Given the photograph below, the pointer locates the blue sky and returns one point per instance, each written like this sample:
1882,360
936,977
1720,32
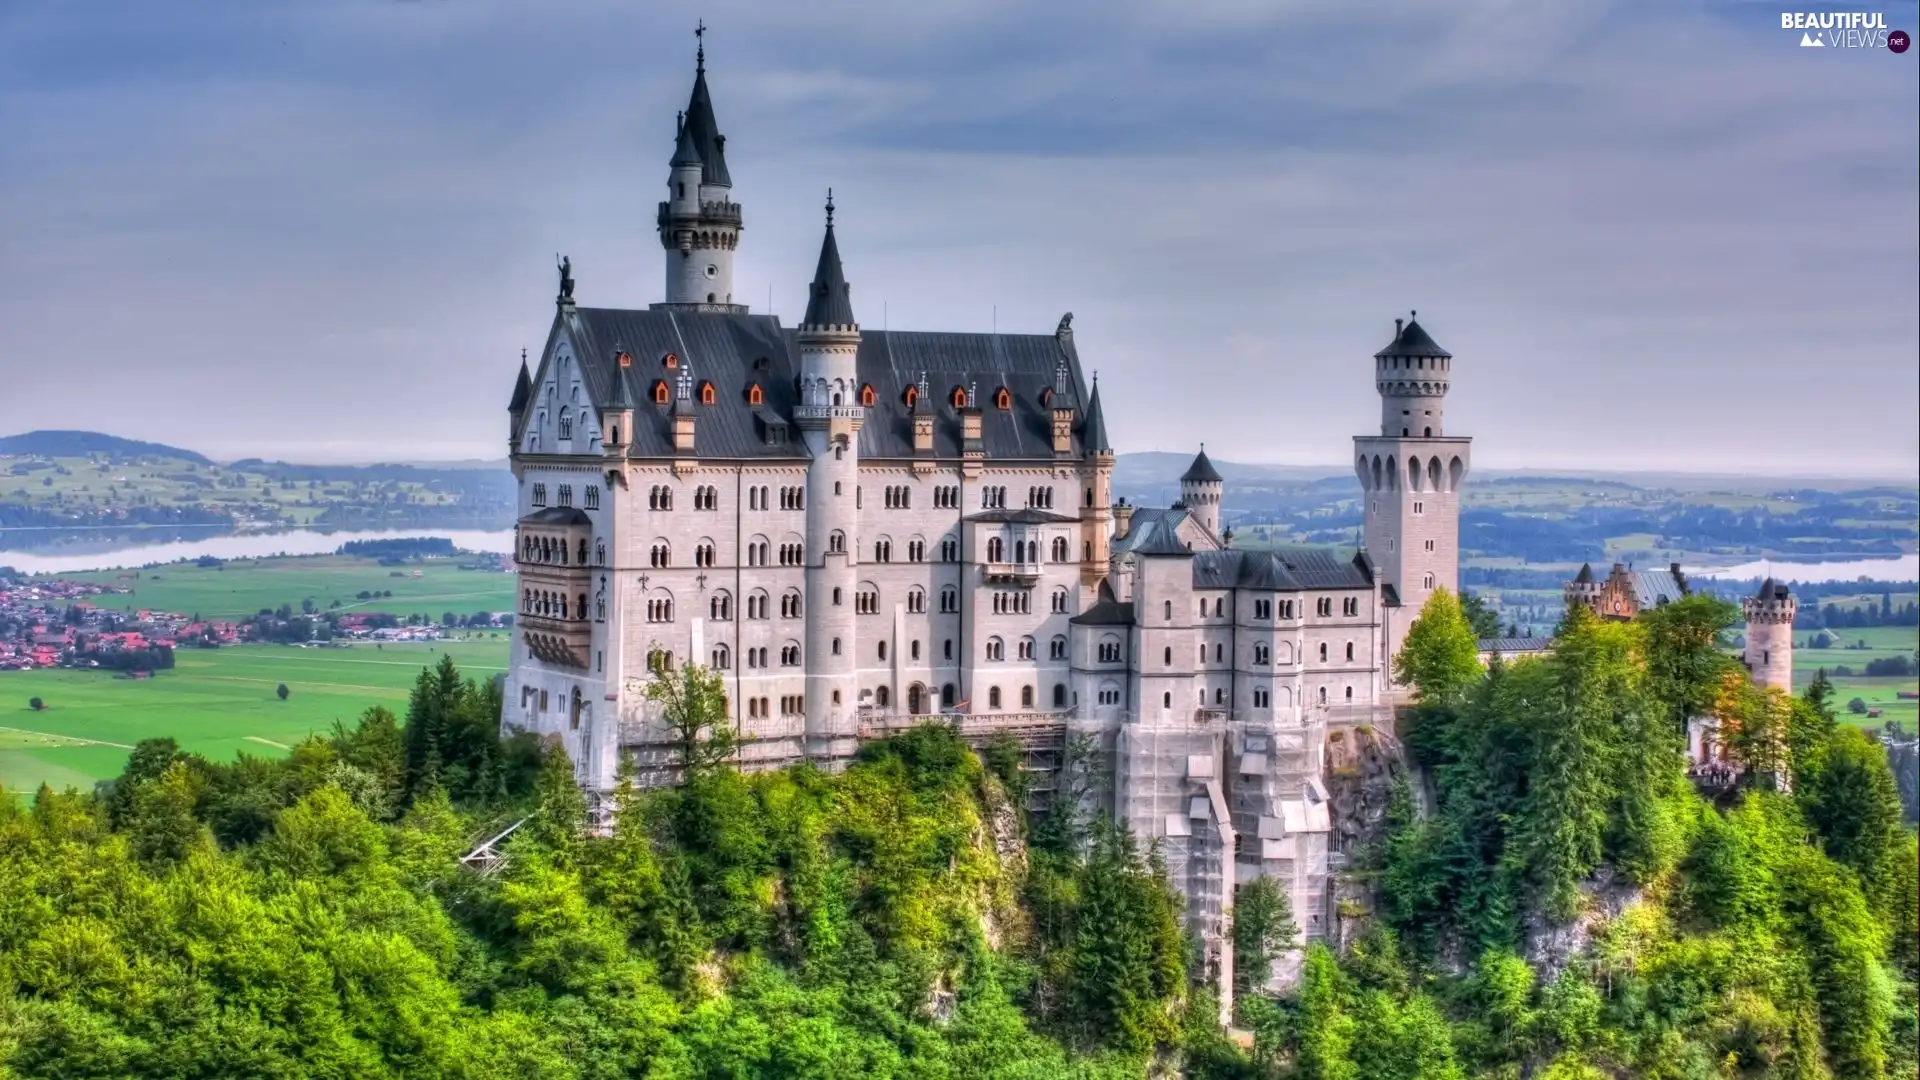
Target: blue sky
1655,236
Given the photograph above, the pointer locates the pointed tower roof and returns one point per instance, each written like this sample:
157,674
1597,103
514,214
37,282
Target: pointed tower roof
1094,435
1202,470
1585,576
700,124
522,387
685,150
1410,340
829,299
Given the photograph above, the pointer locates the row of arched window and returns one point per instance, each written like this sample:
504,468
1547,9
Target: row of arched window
552,605
552,551
1027,697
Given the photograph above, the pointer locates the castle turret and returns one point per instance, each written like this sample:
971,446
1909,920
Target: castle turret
1200,491
517,405
1410,476
1098,515
1769,651
830,417
699,222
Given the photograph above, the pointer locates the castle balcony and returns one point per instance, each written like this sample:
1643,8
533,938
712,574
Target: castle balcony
716,212
563,642
1013,573
1032,730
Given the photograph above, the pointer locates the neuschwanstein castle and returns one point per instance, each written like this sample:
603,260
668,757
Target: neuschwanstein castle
863,529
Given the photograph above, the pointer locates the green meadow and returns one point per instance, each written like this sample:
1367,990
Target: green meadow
243,587
216,702
1879,692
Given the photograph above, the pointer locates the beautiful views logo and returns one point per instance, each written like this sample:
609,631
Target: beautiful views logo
1844,30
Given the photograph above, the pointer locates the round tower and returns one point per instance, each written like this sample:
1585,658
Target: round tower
1200,489
1769,652
830,417
1412,375
699,222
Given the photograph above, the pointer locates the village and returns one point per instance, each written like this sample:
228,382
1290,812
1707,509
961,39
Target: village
57,623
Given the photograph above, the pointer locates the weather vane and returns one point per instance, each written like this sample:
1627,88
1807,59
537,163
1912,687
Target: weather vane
829,208
700,50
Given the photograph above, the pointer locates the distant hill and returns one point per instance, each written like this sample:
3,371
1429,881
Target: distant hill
82,443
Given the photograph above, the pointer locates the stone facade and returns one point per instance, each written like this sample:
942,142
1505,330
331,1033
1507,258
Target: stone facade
860,530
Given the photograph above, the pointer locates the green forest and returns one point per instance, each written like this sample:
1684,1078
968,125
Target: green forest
905,917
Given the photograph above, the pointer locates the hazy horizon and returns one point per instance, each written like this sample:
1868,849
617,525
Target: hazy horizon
1656,237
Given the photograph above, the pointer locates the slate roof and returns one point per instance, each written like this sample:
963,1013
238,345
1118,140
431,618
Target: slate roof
1107,612
1148,522
1585,576
1201,471
1412,341
1288,568
685,150
735,351
1770,590
558,515
1656,587
1164,542
1022,517
1515,644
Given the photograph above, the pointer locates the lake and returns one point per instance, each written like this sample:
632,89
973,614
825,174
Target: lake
1899,568
243,546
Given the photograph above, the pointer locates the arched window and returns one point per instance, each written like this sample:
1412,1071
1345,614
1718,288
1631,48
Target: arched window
660,392
996,649
867,396
1057,648
912,395
882,696
707,395
1060,599
566,422
755,396
1349,650
958,397
1261,654
722,658
917,600
1059,695
1109,650
993,697
1169,611
1323,652
1003,399
1026,697
837,541
1169,656
1323,695
720,606
949,600
1026,648
1062,551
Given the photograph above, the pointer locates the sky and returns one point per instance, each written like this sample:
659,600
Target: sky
1655,236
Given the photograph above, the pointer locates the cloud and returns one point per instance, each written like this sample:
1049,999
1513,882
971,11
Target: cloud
1654,235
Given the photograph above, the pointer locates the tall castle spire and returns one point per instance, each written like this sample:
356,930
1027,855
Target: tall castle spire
830,298
699,222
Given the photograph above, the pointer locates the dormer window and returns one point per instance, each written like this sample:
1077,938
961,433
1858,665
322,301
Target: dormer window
958,397
660,393
706,393
755,395
670,361
912,395
1046,398
625,358
867,396
1003,399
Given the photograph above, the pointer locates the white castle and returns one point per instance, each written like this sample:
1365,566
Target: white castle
864,530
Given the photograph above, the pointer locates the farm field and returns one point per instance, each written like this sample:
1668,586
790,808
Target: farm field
216,702
1878,692
242,587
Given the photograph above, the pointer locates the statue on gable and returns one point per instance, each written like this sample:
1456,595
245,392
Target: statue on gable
566,278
